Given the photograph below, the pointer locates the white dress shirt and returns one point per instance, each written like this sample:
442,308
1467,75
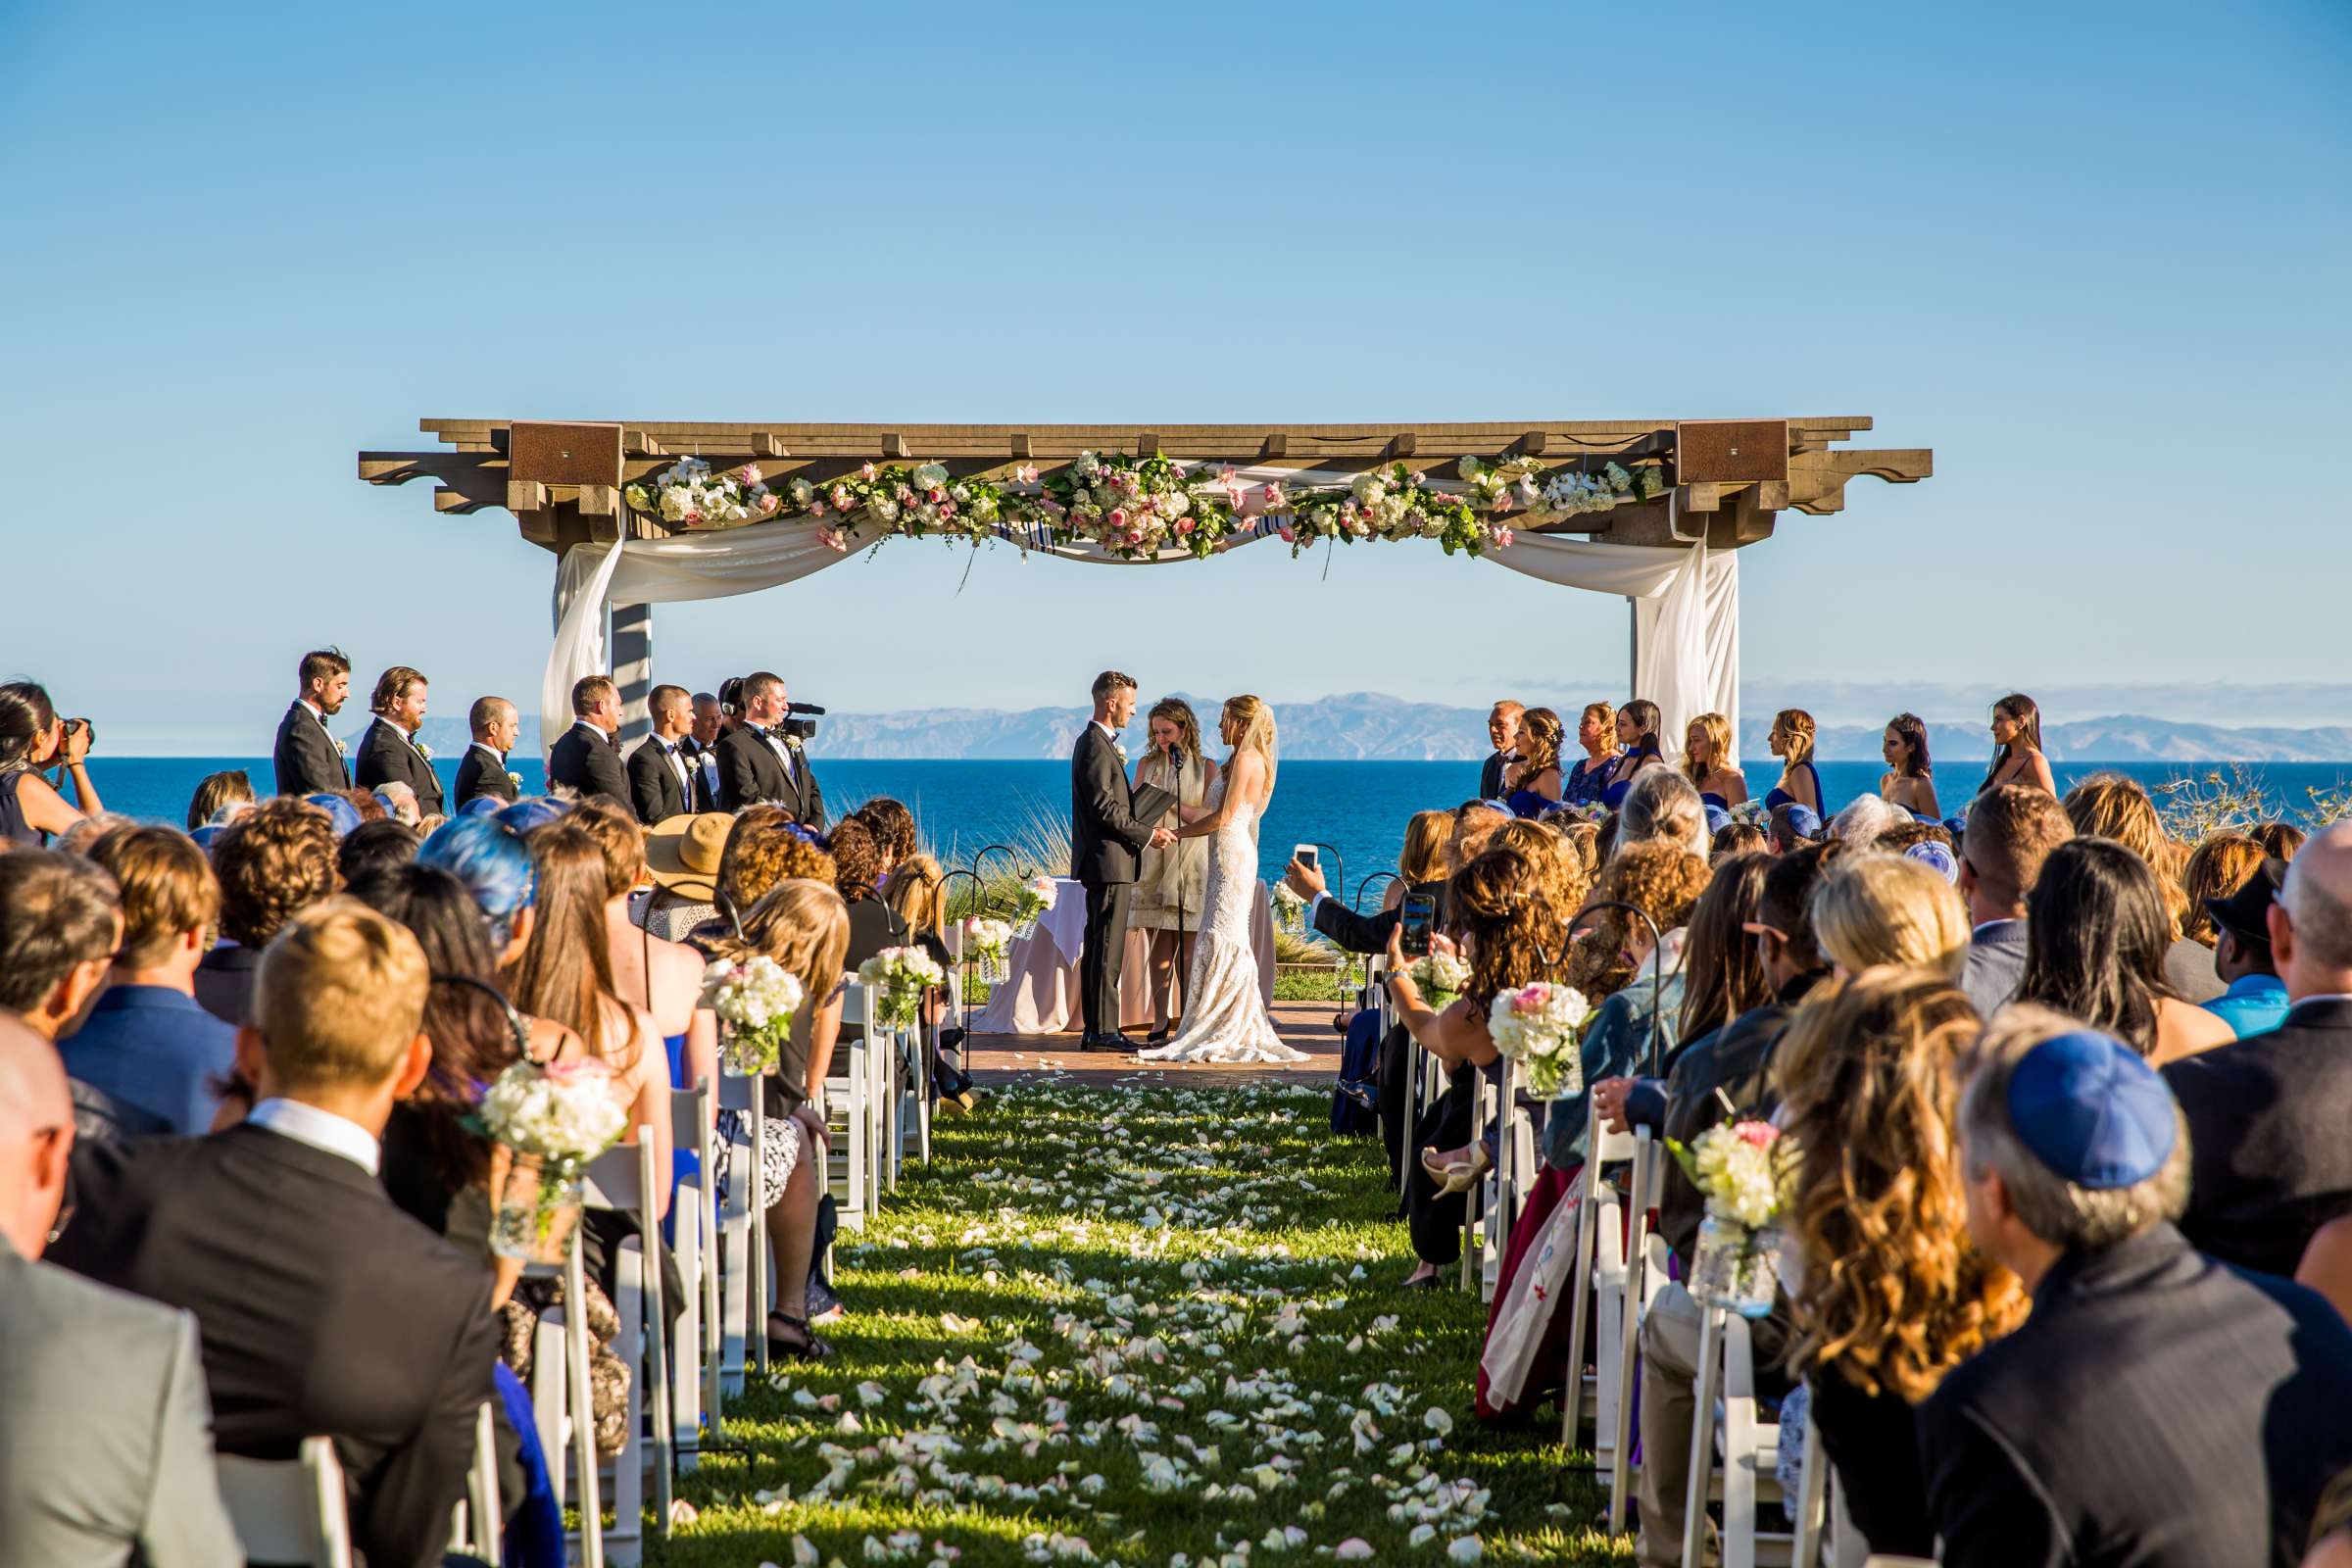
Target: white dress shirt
321,1129
783,751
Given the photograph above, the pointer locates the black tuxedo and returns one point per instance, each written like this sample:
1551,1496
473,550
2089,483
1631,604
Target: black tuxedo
655,788
703,761
2157,1408
1105,843
305,757
322,1311
1489,775
585,761
388,757
750,773
2268,1132
482,771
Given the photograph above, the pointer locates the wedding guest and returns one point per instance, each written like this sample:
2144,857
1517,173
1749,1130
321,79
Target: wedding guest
1637,736
390,752
892,824
146,1044
700,748
666,977
2156,1407
586,758
1502,729
494,724
274,861
1881,909
681,859
2095,935
1662,805
1791,827
2270,1112
1467,831
351,808
764,847
1792,741
31,738
494,866
1532,781
1708,764
758,764
1597,733
2111,806
856,876
803,926
307,757
1859,822
2332,1527
2255,1002
216,792
323,1310
399,802
1888,1293
2016,735
374,844
661,775
2214,869
564,974
61,925
1509,917
1722,1077
1734,839
2279,840
1909,781
2011,831
1171,883
104,1469
917,893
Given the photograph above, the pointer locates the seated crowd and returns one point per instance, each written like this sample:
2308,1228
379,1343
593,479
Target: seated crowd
2068,1240
2068,1225
240,1067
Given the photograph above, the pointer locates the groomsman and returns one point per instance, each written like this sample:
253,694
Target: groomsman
661,782
700,748
586,757
305,757
1502,728
390,752
494,724
756,764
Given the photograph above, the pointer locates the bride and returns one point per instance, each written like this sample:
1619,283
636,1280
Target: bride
1224,1014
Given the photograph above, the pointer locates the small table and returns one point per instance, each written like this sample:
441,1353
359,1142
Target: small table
1041,994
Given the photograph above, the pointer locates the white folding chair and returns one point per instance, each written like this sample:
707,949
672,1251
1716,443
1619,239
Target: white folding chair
291,1511
477,1520
694,1222
1728,1427
740,1260
1481,1102
1823,1530
849,1099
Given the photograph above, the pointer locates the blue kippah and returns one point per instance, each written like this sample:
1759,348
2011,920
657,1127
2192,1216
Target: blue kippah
1955,826
2092,1110
345,815
482,805
1717,819
535,812
1804,821
1935,858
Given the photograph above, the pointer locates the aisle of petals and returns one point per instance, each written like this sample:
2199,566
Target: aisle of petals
1135,1325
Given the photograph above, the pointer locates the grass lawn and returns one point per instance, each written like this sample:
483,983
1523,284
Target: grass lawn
1152,1326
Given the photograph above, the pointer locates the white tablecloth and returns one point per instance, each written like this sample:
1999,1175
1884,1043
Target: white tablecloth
1041,995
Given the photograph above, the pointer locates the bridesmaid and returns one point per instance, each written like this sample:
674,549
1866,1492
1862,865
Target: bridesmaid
2017,731
1638,733
1597,733
1792,741
1534,781
1909,782
1170,884
1707,761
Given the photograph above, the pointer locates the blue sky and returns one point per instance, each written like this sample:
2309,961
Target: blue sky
2095,255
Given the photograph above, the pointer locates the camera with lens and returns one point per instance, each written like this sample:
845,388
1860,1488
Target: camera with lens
803,729
83,727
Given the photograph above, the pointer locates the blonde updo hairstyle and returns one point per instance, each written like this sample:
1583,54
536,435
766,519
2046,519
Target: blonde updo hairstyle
1247,725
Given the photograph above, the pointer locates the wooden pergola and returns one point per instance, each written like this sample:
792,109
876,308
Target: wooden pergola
1727,480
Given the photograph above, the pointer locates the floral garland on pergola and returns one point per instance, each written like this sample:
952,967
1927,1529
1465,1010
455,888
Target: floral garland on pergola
1136,508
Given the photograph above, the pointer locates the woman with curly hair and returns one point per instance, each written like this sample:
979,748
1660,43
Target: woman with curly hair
1508,912
1889,1294
1533,782
1597,733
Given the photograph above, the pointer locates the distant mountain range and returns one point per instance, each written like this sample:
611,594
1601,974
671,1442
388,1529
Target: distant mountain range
1367,726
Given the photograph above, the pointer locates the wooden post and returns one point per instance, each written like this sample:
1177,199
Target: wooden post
632,646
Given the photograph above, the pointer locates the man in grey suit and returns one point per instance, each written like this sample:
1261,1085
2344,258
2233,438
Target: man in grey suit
106,1447
2010,832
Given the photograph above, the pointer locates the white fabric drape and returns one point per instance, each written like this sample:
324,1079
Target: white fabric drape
1686,618
1686,602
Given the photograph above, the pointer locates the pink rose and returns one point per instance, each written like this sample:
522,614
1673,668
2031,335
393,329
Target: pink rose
1502,537
938,495
767,503
1117,519
841,498
692,517
1532,998
868,472
1184,525
1273,495
816,509
1756,1133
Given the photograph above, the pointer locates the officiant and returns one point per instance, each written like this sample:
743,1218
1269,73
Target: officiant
1169,883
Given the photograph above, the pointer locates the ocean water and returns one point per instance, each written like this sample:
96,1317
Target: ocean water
1357,809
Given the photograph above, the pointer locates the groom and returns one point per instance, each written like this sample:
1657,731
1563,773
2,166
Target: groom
1105,839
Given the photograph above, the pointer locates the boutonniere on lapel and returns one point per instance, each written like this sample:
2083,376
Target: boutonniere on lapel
422,750
342,746
1120,748
513,778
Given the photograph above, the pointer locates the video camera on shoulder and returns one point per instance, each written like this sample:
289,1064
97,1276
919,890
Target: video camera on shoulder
798,728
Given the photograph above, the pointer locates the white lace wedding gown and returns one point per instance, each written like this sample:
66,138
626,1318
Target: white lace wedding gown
1224,1015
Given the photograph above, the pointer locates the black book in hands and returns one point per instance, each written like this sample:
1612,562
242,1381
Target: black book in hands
1150,804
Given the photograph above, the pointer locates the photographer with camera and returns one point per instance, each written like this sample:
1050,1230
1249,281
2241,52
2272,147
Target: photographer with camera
34,740
761,760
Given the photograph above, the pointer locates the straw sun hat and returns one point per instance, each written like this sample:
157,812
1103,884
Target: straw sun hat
681,853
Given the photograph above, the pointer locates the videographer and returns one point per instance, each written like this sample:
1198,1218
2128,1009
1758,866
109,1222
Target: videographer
32,738
761,760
